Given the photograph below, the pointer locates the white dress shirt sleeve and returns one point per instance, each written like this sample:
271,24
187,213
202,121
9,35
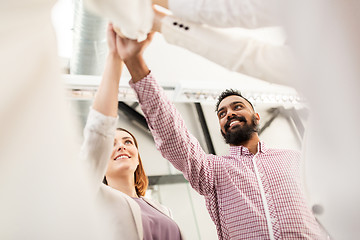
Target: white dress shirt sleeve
226,13
134,18
236,51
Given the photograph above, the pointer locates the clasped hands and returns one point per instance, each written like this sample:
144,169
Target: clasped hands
126,49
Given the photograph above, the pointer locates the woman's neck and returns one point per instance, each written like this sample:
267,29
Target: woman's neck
124,184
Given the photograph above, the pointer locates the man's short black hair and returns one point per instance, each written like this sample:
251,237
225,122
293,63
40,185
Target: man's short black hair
230,92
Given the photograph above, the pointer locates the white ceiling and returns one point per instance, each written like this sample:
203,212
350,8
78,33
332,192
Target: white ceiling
174,66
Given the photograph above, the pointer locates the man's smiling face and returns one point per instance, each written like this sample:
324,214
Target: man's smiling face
237,119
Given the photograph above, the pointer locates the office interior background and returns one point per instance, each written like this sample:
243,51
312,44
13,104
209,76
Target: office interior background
193,83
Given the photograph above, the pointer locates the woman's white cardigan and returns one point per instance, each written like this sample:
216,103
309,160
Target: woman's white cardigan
120,213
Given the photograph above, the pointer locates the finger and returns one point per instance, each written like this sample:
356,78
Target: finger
118,32
150,36
159,11
162,3
110,30
110,26
119,40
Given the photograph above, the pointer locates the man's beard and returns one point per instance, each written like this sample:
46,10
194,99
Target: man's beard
239,134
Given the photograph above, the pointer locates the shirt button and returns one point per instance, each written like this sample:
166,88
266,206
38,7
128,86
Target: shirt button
175,23
181,25
186,28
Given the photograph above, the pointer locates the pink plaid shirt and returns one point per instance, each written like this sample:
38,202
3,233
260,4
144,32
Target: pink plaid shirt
248,196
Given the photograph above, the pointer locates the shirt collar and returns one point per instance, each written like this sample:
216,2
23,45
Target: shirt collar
241,150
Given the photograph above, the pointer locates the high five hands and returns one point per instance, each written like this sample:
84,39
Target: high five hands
127,49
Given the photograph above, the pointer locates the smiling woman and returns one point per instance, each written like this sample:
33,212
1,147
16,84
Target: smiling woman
126,147
112,156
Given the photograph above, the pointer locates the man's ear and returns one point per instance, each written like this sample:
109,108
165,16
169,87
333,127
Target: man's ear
257,116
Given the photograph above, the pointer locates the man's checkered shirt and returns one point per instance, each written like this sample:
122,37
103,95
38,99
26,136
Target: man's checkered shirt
232,184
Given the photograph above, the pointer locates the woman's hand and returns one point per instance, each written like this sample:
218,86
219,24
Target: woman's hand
111,39
131,51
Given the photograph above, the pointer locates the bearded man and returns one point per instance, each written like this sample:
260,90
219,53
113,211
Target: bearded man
254,192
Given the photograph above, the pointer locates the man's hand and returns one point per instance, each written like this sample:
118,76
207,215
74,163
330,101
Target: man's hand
130,50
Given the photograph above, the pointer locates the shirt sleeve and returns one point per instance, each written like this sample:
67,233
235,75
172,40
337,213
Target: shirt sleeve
237,52
172,138
227,13
134,18
99,134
